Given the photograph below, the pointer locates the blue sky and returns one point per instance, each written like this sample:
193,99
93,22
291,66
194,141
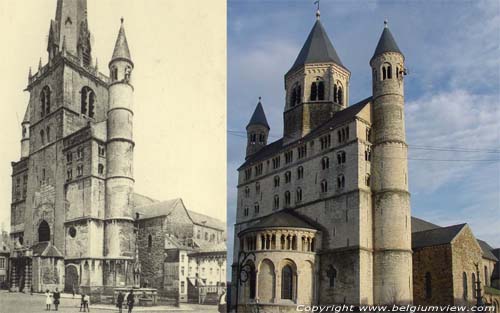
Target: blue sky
452,91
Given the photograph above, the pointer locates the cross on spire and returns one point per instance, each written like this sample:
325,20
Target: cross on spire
318,14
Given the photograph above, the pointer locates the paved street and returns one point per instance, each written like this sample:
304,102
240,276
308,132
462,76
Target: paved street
24,303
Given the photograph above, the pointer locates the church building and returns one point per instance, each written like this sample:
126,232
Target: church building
323,213
75,219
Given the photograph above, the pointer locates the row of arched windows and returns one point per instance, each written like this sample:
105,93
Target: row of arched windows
318,90
296,95
386,72
252,138
288,198
45,136
288,282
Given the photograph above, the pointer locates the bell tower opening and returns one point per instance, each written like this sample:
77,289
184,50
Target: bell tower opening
43,231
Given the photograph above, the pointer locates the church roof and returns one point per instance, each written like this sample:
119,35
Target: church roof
418,225
150,208
258,116
317,49
285,218
337,119
436,236
121,50
46,249
386,43
427,236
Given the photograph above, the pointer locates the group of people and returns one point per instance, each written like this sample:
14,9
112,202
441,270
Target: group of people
129,297
55,298
52,298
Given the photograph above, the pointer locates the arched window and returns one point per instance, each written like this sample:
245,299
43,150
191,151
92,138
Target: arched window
299,195
114,73
321,90
332,276
43,231
464,285
341,157
276,202
314,91
324,186
293,96
42,137
473,278
428,285
340,95
325,163
262,138
287,282
298,94
486,276
300,172
100,169
276,181
287,198
45,101
368,180
87,101
340,181
150,241
288,177
386,71
335,94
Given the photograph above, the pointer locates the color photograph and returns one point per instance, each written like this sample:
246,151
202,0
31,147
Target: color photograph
363,154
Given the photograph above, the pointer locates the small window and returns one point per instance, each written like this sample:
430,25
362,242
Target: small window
288,177
247,192
42,137
368,180
324,186
341,157
258,169
325,163
332,276
287,198
465,286
69,157
79,170
276,162
340,182
102,151
248,173
245,212
257,188
288,157
100,169
72,232
302,151
256,208
276,181
150,241
45,96
325,141
300,172
48,134
321,90
69,174
276,202
314,91
298,195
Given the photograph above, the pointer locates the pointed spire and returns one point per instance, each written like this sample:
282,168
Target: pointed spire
317,49
258,116
386,42
71,22
40,64
121,51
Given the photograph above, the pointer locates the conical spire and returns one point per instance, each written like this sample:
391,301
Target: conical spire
71,23
258,116
317,49
386,42
121,47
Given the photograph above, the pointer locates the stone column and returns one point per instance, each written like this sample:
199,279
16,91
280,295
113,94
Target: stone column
277,286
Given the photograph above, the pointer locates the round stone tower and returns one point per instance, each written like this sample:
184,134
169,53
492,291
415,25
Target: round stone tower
392,256
257,131
119,228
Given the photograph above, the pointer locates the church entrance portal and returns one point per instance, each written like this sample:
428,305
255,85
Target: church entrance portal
71,281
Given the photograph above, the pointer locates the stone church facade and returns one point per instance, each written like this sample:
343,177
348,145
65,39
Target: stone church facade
323,213
74,213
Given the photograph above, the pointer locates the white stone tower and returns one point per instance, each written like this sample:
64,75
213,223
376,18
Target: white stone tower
119,228
257,131
392,256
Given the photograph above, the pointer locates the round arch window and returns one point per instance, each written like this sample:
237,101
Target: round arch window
72,232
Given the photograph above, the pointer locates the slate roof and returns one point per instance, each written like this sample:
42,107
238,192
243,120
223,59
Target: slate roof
418,225
149,208
338,118
487,250
259,117
426,234
285,218
436,236
317,49
205,220
386,43
121,50
46,249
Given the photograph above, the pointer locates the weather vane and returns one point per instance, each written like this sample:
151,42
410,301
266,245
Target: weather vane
317,11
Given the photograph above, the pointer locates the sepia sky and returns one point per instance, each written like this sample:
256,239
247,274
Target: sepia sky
452,51
179,51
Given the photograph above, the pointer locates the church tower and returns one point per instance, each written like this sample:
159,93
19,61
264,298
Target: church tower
316,86
119,233
257,131
392,258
